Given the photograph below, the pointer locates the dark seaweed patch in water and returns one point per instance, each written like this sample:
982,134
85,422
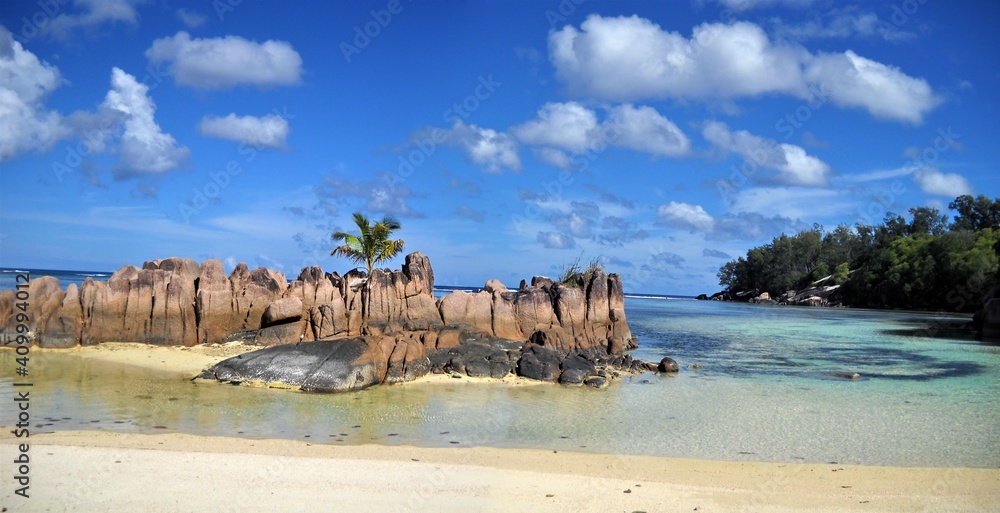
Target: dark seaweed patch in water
938,370
946,332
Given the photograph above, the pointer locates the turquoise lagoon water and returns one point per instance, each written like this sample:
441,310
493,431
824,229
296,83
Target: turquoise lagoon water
763,392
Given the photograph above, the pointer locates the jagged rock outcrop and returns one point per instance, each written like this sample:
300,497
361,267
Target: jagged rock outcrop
389,324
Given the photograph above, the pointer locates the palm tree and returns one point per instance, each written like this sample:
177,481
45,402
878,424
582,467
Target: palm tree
373,245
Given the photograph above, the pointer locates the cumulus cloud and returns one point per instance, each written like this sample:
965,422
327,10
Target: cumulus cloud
553,157
190,18
25,124
854,81
793,165
494,150
630,58
627,58
555,240
226,62
144,147
685,215
92,13
571,127
269,131
644,129
933,181
573,224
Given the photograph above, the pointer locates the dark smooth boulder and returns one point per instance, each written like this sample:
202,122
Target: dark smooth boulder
539,363
324,366
482,358
668,365
576,369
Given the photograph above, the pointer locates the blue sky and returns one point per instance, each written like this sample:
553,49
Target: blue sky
509,138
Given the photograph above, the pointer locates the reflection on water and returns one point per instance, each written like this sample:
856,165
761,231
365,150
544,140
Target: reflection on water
764,392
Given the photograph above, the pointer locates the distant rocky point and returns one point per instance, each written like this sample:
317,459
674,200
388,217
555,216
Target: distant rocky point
328,332
985,322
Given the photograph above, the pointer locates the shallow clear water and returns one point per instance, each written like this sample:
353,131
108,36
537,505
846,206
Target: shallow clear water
764,393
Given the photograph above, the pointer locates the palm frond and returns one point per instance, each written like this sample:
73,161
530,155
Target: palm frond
372,246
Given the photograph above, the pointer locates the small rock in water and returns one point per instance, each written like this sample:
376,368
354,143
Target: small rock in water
628,490
668,364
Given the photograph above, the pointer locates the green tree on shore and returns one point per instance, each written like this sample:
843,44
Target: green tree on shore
373,245
924,263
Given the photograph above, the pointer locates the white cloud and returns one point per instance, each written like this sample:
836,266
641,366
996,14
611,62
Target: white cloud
190,18
685,215
25,124
569,126
93,13
562,127
556,240
268,131
225,62
885,91
144,148
933,181
644,129
485,146
795,202
629,58
553,157
793,164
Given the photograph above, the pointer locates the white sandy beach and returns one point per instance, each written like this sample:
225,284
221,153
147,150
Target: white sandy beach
102,471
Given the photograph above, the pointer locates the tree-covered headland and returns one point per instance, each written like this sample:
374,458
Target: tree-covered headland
919,262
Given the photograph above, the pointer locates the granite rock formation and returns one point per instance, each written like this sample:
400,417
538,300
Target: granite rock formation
387,327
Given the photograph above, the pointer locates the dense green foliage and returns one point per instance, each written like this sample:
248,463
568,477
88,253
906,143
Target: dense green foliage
923,263
372,246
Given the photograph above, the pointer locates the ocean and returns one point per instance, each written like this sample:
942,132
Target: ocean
757,383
